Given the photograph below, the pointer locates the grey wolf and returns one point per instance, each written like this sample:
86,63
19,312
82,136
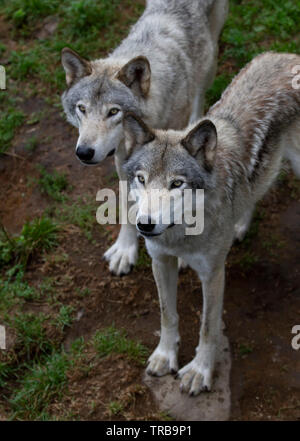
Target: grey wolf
234,154
160,72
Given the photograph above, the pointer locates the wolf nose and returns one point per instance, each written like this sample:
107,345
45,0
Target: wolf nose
145,225
85,153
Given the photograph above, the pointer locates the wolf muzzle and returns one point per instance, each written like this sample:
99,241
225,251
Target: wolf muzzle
85,153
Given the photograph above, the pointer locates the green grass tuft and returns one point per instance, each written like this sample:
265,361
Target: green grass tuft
115,407
85,16
26,12
144,260
82,213
16,291
253,27
36,236
245,350
39,387
11,119
64,318
111,340
32,340
53,184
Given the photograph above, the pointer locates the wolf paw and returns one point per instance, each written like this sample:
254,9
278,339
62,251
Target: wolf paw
121,257
162,362
195,378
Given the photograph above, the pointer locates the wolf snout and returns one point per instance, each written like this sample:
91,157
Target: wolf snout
145,225
85,153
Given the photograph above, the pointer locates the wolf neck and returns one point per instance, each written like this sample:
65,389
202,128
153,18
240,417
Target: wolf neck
229,167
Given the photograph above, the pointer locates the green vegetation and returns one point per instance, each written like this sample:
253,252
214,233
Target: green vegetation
144,260
78,16
16,291
31,339
13,292
115,407
112,340
86,25
39,387
80,213
38,235
64,318
53,184
31,144
245,349
251,28
26,12
6,372
83,292
42,378
10,120
247,260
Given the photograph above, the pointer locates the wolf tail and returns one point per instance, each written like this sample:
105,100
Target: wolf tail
218,11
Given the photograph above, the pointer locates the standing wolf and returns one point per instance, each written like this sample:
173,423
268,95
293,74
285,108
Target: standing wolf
160,72
234,154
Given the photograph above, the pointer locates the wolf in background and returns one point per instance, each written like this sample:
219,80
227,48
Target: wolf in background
234,154
160,72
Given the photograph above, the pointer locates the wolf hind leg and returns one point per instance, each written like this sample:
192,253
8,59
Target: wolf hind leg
216,19
241,227
198,106
205,83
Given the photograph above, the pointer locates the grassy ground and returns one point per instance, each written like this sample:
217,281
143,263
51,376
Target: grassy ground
255,27
38,370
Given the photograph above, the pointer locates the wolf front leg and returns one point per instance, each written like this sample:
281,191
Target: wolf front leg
197,375
122,255
164,358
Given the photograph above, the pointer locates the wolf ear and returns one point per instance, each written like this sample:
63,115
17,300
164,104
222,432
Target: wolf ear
136,132
75,66
201,142
136,75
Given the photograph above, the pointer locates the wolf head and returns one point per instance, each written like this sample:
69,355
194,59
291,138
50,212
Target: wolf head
97,96
168,162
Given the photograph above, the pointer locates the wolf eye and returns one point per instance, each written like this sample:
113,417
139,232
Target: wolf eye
82,108
113,112
141,179
176,184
